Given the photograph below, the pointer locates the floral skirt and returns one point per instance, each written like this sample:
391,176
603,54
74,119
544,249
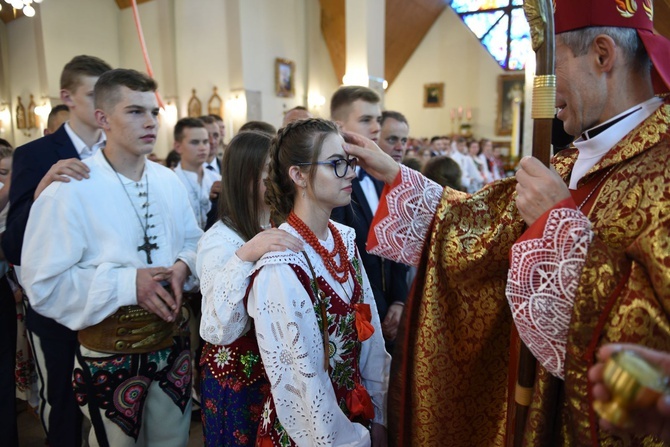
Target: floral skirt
231,410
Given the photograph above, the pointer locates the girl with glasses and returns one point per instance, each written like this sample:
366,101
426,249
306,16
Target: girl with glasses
315,316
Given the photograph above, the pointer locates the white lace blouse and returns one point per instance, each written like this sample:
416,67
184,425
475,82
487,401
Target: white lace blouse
223,283
291,347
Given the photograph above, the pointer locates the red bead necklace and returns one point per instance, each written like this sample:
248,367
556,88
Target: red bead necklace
339,272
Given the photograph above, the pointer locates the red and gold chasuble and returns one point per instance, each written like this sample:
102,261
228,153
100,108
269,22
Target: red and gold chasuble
344,349
452,376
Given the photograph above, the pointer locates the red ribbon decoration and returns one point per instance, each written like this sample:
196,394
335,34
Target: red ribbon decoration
359,403
363,319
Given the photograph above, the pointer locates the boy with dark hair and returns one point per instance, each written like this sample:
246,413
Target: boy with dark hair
212,163
191,141
57,117
55,157
125,247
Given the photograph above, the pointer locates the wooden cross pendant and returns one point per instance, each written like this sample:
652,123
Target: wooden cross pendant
147,247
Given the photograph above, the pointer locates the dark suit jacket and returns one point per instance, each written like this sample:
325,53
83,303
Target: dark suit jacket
30,164
387,278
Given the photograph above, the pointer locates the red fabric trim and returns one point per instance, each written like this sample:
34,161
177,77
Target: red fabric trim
536,230
381,213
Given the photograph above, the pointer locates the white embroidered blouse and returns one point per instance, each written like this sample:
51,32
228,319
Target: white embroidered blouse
223,284
291,347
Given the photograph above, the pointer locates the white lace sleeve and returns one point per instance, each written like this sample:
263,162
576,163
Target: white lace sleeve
542,282
292,353
375,362
223,283
411,206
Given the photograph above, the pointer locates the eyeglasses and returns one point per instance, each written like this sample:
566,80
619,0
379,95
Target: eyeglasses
340,166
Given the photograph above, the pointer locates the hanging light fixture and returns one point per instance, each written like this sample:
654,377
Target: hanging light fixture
26,6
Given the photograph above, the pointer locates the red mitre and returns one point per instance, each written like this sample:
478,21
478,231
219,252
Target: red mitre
639,14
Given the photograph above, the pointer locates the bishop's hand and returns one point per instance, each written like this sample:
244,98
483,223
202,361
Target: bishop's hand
375,161
538,189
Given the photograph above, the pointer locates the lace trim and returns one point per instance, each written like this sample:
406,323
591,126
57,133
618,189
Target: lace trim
224,281
411,207
542,283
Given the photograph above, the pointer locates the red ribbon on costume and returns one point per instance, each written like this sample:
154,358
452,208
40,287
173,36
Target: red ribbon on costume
359,403
363,319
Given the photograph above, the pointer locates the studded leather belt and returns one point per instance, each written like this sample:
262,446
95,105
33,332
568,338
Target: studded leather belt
130,330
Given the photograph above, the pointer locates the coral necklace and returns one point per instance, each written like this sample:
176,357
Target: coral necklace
339,272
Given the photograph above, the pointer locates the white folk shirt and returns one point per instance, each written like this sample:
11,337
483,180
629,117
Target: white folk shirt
224,279
80,256
198,192
285,322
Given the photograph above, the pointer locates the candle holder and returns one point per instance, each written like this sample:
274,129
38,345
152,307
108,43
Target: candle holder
633,384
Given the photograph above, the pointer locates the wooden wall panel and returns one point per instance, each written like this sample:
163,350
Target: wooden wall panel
407,23
334,33
662,17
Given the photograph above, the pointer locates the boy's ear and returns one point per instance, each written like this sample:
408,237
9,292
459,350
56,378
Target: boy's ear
66,97
101,119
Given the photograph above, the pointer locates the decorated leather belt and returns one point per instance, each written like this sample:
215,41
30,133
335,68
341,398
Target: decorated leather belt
130,330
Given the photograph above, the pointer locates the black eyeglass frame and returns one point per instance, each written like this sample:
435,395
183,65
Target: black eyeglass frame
349,163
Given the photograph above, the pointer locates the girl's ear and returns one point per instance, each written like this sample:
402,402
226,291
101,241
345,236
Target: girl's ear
298,176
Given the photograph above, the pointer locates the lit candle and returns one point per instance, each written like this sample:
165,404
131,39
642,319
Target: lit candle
460,112
468,114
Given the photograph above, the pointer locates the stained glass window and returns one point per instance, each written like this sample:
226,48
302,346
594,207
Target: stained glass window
501,26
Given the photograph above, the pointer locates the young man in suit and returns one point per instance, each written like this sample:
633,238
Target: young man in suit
55,157
356,109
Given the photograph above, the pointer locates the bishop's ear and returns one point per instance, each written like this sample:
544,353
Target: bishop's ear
605,51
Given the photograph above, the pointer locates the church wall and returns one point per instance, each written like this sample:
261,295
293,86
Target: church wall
449,53
233,45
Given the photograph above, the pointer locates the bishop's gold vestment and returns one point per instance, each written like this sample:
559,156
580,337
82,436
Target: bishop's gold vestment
451,372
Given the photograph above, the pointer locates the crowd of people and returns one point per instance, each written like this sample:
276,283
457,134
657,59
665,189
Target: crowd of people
267,289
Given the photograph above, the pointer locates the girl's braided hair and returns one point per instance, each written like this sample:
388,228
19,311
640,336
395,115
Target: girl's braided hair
299,142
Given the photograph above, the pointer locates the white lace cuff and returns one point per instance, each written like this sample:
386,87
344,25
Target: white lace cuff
542,282
411,207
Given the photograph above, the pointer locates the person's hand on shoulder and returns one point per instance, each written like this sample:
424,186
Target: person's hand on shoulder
62,171
272,239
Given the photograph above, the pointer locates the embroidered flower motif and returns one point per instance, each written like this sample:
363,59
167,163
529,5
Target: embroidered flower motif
335,348
266,415
222,357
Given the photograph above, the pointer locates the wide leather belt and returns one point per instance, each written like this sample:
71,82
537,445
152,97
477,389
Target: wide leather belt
130,330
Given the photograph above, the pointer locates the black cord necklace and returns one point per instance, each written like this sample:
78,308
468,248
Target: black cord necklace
147,246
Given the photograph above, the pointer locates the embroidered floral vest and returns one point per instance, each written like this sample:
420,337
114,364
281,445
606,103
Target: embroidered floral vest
343,350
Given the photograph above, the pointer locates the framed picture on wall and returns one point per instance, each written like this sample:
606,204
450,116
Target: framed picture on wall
433,94
284,78
510,86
